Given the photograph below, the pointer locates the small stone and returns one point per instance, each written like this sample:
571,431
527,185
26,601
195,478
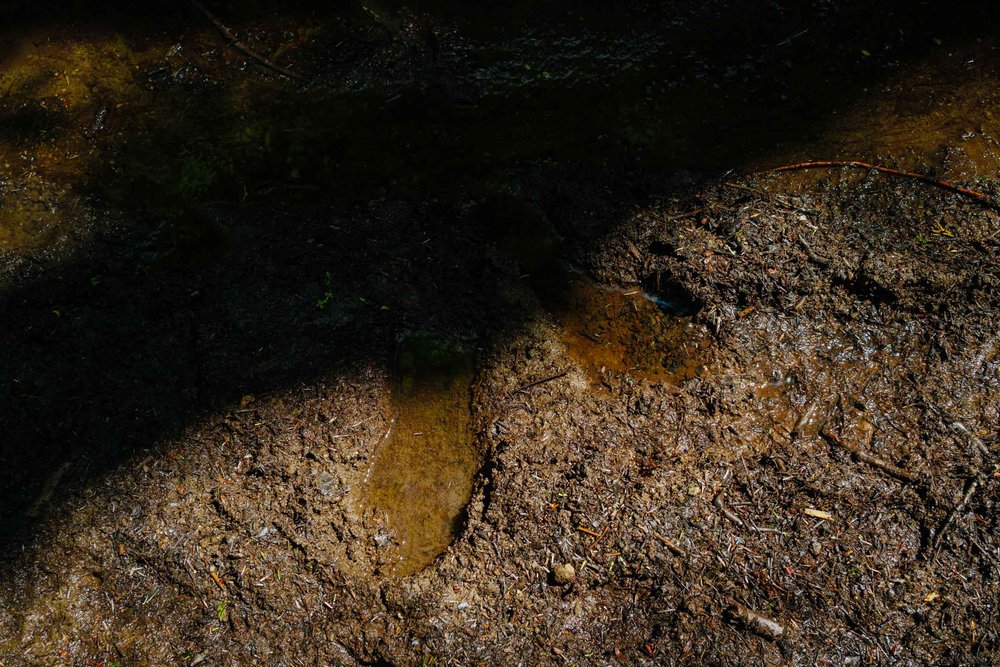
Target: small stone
816,548
564,574
325,483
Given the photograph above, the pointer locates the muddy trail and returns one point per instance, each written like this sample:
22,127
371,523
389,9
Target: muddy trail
418,334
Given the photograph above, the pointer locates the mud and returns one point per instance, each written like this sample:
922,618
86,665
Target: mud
422,474
350,373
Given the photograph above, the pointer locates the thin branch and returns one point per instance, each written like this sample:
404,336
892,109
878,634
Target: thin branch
874,461
538,382
970,490
235,43
982,198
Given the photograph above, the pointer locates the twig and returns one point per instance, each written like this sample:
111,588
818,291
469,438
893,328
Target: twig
538,382
874,461
788,40
979,444
235,43
219,581
670,544
599,538
971,486
685,214
982,198
770,197
717,501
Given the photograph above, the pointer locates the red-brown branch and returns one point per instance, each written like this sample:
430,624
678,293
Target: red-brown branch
982,198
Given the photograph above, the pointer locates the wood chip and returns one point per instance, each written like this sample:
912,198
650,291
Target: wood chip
756,622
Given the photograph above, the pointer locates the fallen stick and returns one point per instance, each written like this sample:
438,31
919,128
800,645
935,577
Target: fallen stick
599,538
669,544
874,461
979,444
982,198
971,486
538,382
235,43
685,214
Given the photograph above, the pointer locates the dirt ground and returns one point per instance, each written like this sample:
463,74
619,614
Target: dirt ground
699,414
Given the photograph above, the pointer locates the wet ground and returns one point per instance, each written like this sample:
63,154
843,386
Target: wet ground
407,334
421,475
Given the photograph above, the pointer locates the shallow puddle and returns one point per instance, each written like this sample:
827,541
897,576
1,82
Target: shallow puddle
422,475
631,331
648,333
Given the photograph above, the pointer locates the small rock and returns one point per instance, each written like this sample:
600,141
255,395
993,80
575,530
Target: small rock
564,574
816,548
325,483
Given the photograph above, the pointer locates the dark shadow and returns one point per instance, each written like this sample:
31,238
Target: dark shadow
249,243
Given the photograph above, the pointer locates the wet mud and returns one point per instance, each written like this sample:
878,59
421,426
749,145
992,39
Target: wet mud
422,474
492,342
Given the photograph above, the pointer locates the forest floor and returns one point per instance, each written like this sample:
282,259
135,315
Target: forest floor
496,342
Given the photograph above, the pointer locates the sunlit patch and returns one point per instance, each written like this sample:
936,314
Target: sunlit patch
422,475
34,212
630,331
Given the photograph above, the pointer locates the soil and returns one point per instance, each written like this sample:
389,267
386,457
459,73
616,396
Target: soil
494,344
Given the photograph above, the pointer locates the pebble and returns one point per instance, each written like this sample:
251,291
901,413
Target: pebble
564,574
